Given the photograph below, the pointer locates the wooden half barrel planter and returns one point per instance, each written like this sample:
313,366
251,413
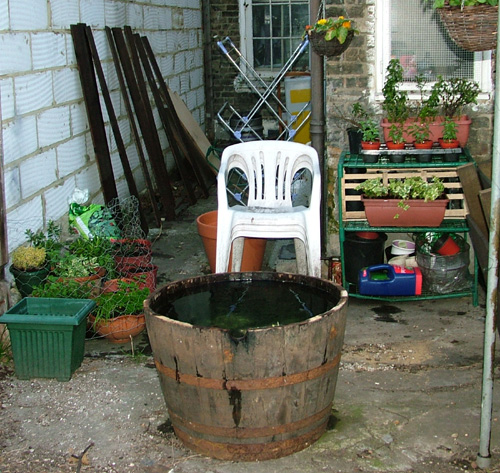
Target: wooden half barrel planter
264,395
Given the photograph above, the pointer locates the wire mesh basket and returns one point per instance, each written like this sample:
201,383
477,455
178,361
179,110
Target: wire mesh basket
328,48
472,28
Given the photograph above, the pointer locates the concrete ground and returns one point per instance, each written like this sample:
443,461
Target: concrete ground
408,395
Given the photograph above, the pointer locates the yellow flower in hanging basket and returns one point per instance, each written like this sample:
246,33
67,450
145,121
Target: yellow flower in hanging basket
332,28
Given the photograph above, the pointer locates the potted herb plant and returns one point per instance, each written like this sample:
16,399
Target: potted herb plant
446,98
50,240
371,134
449,139
421,133
409,202
119,314
29,268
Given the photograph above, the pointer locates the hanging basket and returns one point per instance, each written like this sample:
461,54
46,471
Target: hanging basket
472,28
329,48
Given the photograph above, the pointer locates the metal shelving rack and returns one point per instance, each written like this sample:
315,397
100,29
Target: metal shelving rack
355,163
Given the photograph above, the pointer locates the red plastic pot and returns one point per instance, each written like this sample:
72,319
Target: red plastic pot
445,245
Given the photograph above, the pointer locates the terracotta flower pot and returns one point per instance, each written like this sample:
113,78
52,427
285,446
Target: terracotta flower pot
132,252
449,144
145,275
253,249
119,329
427,144
387,212
391,145
370,145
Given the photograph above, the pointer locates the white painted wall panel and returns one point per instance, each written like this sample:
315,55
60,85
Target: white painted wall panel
64,13
26,15
33,92
71,156
49,50
19,138
53,126
12,185
67,86
57,199
15,51
92,13
28,215
37,172
7,98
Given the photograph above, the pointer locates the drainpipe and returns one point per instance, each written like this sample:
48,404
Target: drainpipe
484,456
317,126
207,70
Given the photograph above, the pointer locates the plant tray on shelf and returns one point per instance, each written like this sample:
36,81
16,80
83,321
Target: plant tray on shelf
47,336
353,208
416,212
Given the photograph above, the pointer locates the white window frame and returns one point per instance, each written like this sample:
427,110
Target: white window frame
482,60
246,34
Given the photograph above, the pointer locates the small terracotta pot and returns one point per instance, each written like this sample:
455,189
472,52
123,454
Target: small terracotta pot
392,145
119,329
449,144
370,145
427,144
144,275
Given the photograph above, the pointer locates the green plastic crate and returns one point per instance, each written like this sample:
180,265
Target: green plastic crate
47,336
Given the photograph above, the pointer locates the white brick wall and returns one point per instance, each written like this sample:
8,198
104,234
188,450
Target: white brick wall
46,140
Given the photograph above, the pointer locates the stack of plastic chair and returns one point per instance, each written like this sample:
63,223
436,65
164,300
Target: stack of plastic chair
270,167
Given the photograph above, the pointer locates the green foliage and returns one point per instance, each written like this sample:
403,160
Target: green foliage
420,131
127,300
462,3
71,266
396,133
58,288
96,249
333,28
370,130
455,93
50,240
395,102
29,258
404,189
449,129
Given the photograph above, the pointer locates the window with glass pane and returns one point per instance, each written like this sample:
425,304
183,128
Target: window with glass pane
421,43
277,28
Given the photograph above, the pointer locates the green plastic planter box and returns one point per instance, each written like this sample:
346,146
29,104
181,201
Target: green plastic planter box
47,336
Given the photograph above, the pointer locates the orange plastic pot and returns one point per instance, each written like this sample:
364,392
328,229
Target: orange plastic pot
253,249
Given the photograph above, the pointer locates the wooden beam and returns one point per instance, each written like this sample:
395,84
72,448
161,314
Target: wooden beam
94,112
135,132
147,125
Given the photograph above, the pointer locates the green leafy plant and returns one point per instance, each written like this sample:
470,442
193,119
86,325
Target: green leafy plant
56,288
29,258
395,102
449,129
72,266
49,239
462,3
420,131
396,133
455,94
409,188
97,250
333,28
370,130
127,300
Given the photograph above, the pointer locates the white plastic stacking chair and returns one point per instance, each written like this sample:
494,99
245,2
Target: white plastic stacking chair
269,167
